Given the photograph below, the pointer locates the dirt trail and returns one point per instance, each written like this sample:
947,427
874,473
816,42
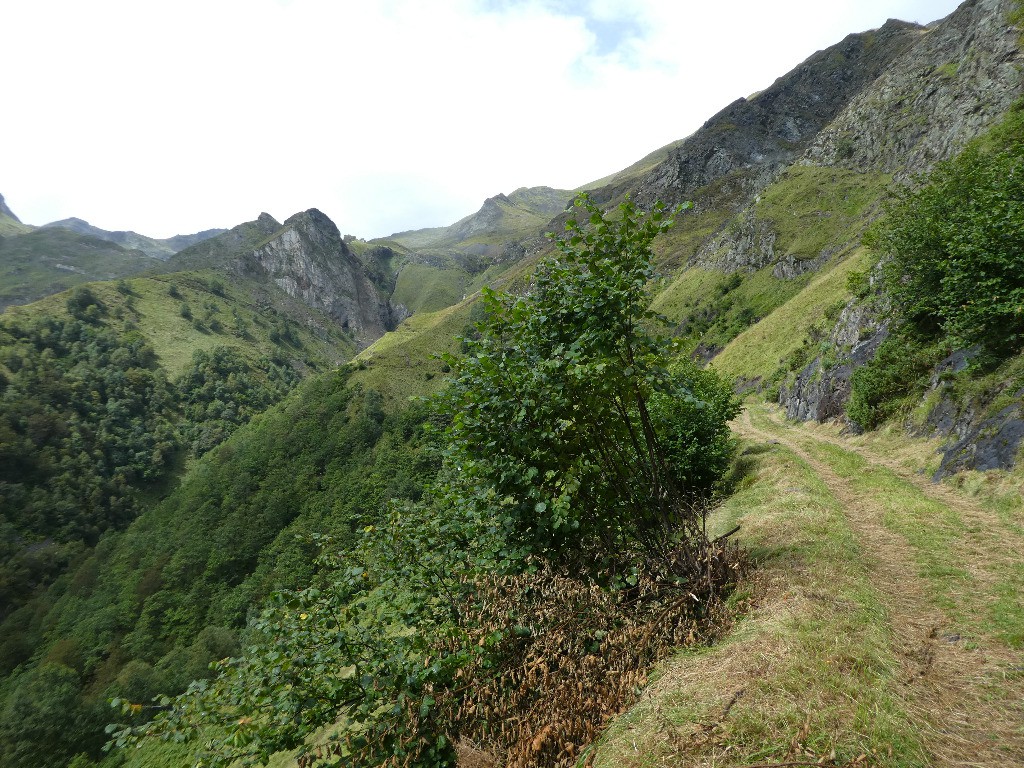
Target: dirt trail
966,696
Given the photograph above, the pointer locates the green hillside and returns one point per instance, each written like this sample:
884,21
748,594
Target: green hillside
45,261
529,525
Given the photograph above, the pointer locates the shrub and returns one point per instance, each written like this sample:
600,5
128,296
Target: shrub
553,425
955,245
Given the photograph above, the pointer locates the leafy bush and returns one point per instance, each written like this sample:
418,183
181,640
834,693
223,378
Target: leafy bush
569,433
898,373
955,245
554,410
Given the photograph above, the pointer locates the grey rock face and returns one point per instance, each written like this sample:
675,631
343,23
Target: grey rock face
990,444
820,393
310,261
748,245
958,77
767,132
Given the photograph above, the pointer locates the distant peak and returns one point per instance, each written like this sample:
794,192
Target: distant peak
315,218
267,220
5,211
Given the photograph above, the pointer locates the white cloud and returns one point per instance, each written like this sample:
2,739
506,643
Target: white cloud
386,115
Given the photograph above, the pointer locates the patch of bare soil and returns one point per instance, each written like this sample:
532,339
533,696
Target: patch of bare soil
967,696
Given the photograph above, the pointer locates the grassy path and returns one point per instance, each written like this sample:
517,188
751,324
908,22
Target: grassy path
937,559
883,624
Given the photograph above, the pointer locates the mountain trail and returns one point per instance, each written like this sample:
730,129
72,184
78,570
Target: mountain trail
963,686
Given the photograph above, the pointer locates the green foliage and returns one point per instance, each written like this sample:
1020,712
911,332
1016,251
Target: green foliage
223,390
392,640
45,721
360,647
955,245
552,429
153,606
84,424
82,304
896,375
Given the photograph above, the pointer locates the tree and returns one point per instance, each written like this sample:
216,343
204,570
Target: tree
553,427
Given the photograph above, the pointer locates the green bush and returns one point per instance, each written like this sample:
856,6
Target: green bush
955,245
555,427
897,375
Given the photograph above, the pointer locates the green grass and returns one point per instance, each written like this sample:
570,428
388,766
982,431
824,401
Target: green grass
811,661
425,288
968,558
404,363
812,209
761,349
717,307
9,226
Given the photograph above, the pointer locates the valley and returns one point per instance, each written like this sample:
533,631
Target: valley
736,483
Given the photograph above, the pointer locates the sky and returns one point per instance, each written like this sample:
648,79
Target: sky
174,117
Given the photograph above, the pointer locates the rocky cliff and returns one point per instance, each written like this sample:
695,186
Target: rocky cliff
958,76
761,135
309,260
961,74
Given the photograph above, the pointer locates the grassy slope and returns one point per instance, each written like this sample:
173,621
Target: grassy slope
403,363
158,317
880,610
761,349
425,288
44,261
814,209
9,226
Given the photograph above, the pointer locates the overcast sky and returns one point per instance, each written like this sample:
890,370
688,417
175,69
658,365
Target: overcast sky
172,117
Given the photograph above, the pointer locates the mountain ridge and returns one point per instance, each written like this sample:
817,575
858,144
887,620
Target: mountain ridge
158,248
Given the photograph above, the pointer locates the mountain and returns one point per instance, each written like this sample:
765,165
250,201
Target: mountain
9,223
767,279
524,212
40,262
307,259
161,249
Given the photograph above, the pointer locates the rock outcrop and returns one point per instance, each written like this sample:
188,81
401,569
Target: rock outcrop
761,135
308,259
960,75
820,391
